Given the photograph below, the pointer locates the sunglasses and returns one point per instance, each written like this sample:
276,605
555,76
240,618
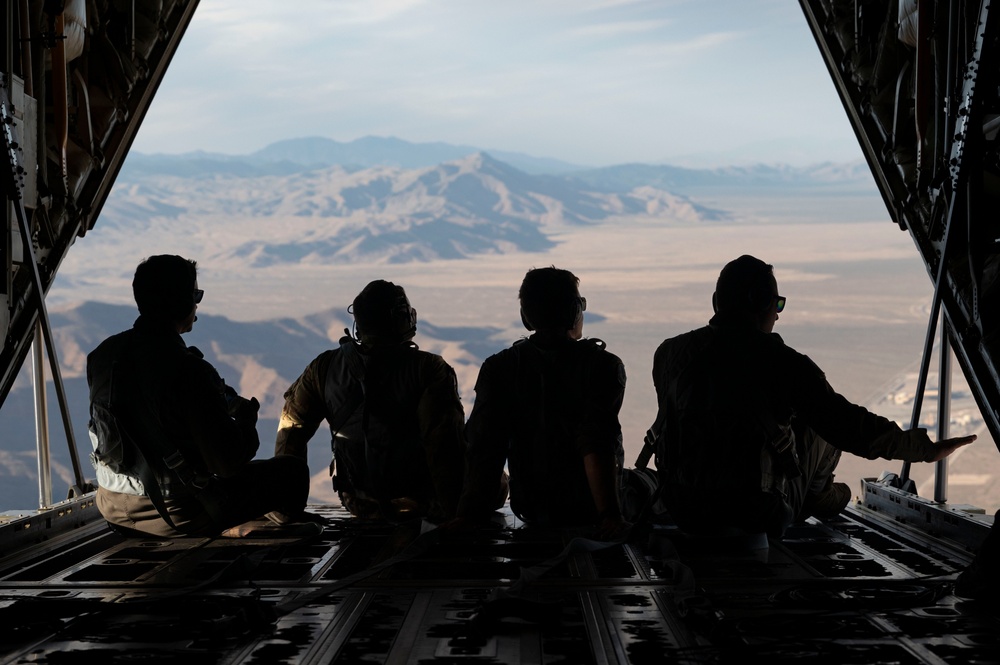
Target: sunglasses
780,300
199,294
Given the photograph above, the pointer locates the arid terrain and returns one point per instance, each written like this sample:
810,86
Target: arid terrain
858,297
857,294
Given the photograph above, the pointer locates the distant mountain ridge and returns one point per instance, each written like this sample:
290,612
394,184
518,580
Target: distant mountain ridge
312,153
294,155
386,200
679,179
466,207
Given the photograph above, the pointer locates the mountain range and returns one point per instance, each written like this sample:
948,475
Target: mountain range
386,200
318,201
311,153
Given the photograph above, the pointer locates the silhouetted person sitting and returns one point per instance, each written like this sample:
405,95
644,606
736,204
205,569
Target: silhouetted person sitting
749,432
548,407
173,443
393,410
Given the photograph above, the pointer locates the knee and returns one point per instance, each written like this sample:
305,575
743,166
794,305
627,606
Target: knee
290,472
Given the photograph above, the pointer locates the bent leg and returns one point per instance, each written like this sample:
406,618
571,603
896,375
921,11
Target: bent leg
138,514
815,492
279,484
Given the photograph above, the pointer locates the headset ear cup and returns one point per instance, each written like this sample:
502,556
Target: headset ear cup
526,322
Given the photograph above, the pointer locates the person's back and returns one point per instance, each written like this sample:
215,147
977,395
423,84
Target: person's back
726,424
556,400
393,411
548,407
149,378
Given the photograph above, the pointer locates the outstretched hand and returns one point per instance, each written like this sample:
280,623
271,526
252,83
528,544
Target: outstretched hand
946,447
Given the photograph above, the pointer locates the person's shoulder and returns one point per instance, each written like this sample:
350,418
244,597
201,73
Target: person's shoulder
775,342
111,343
191,359
697,336
701,333
101,358
428,361
321,364
504,362
325,357
336,364
606,363
795,361
598,348
428,357
510,353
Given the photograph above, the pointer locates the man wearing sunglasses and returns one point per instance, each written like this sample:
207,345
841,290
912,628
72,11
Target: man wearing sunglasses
748,431
173,444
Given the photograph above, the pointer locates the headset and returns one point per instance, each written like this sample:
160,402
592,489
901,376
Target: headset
525,322
758,298
161,287
399,320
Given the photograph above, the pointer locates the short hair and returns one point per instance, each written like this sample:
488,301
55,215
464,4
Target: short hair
549,298
744,286
163,286
383,314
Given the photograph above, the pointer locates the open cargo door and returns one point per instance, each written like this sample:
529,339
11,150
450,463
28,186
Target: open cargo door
77,80
78,77
918,80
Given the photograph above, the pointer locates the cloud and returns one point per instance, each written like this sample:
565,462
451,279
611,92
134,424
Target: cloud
669,52
305,13
517,75
617,29
18,464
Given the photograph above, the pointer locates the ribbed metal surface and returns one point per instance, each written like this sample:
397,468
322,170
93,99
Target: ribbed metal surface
852,589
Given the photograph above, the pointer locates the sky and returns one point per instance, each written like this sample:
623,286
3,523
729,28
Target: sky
592,82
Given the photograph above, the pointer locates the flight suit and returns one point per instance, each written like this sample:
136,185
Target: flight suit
747,428
186,437
541,406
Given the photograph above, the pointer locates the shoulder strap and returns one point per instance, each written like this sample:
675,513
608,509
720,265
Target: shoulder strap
355,396
355,392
